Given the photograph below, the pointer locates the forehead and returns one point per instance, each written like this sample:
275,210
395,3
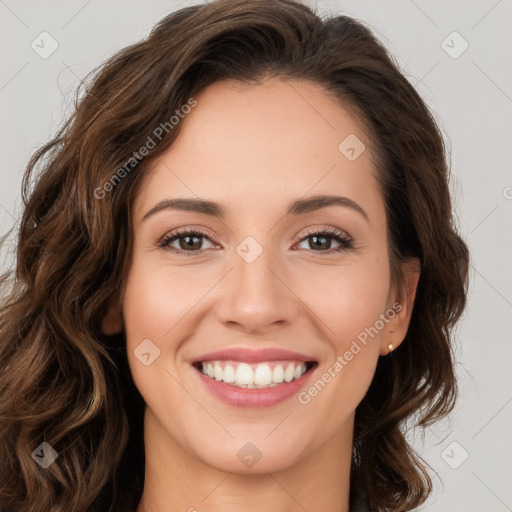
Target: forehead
249,146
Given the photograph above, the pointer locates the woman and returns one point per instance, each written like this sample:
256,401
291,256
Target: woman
237,275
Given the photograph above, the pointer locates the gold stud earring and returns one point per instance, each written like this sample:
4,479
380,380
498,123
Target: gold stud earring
390,347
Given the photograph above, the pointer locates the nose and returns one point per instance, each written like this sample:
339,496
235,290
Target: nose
257,297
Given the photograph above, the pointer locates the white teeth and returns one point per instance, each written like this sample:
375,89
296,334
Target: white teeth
278,374
229,374
244,374
263,375
257,376
288,373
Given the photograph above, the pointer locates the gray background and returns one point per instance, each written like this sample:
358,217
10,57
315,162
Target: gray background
471,96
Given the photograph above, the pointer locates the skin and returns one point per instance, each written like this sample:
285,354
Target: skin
254,149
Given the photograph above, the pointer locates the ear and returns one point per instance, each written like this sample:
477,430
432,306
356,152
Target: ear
112,321
401,302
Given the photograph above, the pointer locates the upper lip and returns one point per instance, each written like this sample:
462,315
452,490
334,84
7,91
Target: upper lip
254,356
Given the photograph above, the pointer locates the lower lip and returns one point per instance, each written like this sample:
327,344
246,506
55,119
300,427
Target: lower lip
243,397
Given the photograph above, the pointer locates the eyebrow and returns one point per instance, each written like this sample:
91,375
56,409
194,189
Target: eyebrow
296,207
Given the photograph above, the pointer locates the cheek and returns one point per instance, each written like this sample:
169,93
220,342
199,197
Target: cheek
348,299
352,307
149,313
156,299
350,302
337,390
154,304
352,311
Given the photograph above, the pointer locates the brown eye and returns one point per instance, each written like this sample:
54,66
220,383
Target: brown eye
321,241
189,242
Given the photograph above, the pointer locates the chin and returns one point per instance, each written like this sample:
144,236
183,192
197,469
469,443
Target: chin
250,459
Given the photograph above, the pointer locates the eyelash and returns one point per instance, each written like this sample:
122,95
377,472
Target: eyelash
339,236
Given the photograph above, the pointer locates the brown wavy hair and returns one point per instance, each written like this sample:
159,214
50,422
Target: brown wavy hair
65,382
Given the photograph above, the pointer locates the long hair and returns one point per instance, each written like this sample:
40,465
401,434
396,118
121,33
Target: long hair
65,383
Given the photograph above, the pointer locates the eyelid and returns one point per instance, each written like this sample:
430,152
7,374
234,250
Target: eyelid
312,230
179,232
343,237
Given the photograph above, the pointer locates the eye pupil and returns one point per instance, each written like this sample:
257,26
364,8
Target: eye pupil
190,244
323,238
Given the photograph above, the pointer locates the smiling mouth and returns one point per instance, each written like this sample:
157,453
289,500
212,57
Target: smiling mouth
256,375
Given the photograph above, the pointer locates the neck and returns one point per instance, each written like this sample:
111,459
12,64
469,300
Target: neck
177,481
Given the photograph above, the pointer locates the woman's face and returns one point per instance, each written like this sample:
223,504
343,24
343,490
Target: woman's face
259,278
